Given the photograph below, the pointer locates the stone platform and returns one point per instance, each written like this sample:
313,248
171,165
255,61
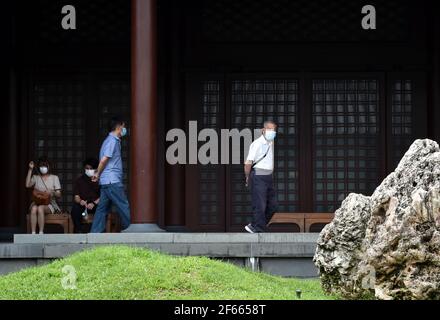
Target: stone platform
286,254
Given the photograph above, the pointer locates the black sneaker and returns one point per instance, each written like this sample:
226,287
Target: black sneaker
250,228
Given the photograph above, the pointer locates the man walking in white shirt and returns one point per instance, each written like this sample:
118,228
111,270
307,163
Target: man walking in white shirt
258,169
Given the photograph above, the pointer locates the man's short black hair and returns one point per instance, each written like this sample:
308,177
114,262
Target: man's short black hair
115,122
93,162
269,122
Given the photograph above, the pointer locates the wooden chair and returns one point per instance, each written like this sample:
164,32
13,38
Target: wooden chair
286,217
62,219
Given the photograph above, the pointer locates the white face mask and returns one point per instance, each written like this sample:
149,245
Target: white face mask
90,172
44,170
270,134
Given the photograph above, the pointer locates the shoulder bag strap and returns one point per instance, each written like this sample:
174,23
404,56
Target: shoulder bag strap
47,189
255,163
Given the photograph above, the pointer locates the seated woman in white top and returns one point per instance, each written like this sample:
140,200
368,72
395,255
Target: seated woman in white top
47,183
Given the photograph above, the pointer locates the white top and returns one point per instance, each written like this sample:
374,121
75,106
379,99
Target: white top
51,184
257,150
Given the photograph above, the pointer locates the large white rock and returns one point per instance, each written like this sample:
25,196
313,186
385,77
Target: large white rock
388,244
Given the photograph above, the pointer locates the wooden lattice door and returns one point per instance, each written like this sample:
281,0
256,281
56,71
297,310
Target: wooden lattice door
69,115
338,133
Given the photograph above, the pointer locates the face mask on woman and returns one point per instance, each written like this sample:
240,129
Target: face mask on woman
44,170
90,172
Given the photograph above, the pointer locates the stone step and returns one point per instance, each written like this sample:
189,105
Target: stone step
287,254
166,237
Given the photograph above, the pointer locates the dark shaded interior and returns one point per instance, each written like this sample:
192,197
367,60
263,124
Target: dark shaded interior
348,101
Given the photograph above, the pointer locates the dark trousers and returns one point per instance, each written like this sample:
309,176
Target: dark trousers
264,201
76,214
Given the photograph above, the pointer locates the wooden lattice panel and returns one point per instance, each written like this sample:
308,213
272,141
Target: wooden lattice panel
401,119
253,102
59,133
346,146
114,100
210,194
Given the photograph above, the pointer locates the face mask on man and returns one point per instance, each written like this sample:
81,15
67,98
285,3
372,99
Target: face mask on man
90,172
44,170
270,135
123,132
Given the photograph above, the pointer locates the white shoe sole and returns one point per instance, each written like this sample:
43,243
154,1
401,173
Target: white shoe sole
248,229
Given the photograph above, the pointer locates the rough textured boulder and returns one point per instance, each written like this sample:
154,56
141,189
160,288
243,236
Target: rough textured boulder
388,244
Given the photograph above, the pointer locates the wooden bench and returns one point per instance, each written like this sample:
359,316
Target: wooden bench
65,221
303,220
111,225
62,219
288,218
316,218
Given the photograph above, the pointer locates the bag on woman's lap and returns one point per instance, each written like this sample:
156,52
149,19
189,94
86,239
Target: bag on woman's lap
41,198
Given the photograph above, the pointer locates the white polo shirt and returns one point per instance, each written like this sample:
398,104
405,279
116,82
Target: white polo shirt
257,150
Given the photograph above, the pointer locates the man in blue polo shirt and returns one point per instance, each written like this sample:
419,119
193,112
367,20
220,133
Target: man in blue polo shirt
109,175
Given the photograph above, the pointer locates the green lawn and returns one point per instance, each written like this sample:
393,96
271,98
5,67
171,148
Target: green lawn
121,272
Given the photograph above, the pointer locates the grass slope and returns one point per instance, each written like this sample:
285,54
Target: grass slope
121,272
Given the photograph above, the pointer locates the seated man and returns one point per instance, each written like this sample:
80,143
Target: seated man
86,193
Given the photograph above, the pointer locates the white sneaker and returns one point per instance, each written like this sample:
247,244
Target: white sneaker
41,232
33,232
249,228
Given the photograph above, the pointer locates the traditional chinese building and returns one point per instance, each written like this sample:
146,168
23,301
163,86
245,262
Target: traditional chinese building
348,101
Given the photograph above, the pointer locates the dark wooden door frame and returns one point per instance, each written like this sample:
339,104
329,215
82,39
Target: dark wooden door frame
305,140
304,137
419,111
381,78
193,100
229,77
90,78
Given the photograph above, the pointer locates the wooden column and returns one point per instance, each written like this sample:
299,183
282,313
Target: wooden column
13,208
143,126
175,118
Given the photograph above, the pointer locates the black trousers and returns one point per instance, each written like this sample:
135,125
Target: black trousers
264,200
76,214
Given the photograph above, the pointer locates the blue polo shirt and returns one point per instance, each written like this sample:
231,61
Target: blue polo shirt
111,148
